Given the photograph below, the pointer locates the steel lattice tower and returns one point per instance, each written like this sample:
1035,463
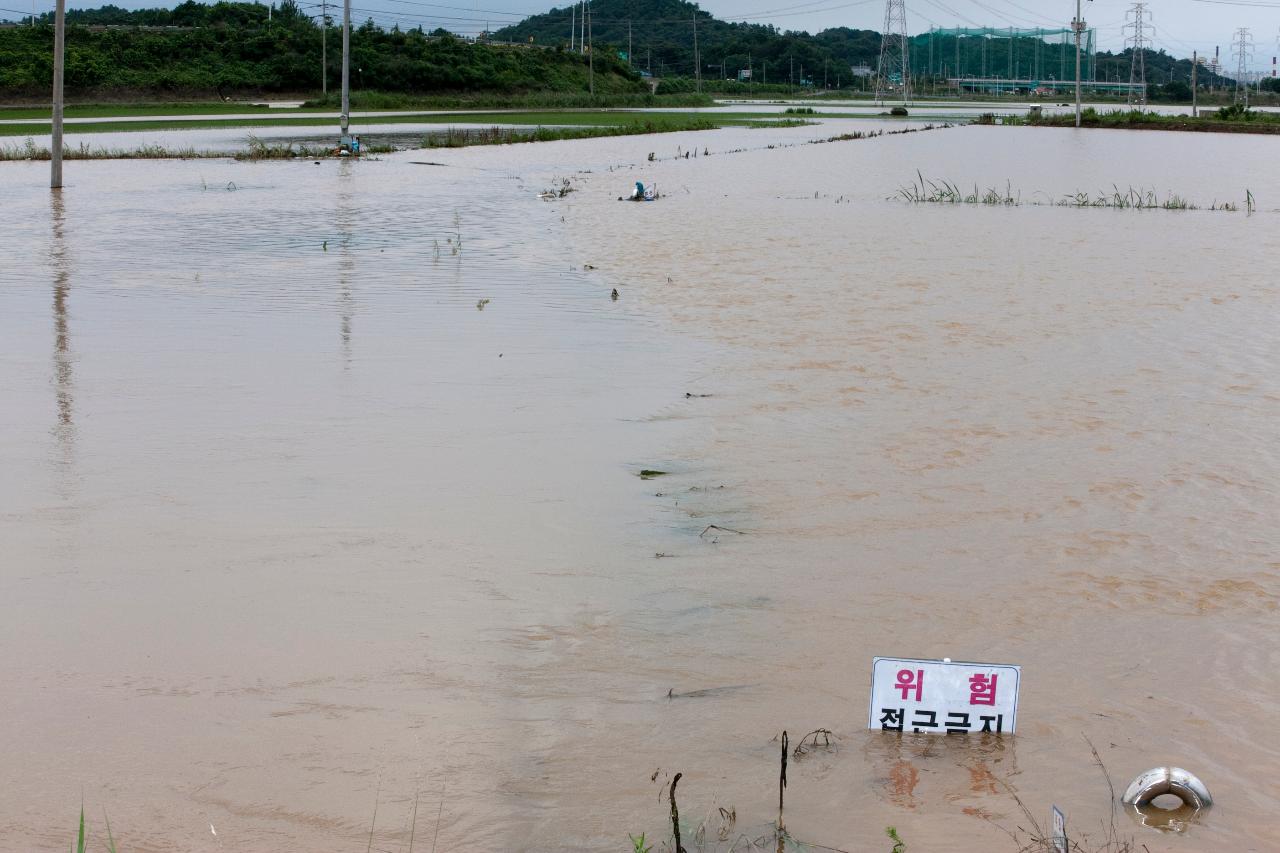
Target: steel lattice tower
1242,50
894,52
1136,21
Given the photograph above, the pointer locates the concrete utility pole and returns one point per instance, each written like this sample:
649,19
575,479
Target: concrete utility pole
59,53
573,26
1137,21
345,118
630,62
1078,26
324,48
697,57
1195,96
591,54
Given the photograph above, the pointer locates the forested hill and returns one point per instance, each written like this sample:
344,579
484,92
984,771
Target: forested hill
232,49
661,32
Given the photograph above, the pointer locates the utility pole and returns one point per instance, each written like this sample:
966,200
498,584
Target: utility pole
324,48
582,27
697,57
1242,50
591,54
1136,20
573,26
630,62
1195,99
345,117
1078,26
894,51
59,55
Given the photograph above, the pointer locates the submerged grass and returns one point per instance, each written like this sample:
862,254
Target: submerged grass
721,832
256,150
454,137
1230,119
924,191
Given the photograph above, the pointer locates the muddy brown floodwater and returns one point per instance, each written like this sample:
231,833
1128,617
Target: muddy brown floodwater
321,501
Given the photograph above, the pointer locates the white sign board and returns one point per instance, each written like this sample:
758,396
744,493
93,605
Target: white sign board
943,697
1059,837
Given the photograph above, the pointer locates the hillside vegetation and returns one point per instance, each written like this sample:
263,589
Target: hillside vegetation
230,49
661,38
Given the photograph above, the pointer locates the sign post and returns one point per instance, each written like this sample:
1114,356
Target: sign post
1059,838
942,697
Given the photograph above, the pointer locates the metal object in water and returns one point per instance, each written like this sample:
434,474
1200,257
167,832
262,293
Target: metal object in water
1167,780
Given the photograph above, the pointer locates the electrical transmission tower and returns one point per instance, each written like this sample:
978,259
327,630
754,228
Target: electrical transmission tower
1242,50
895,56
1136,21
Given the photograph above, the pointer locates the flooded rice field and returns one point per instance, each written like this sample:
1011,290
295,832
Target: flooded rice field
325,527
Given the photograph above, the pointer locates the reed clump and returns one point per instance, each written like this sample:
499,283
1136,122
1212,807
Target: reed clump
256,150
925,191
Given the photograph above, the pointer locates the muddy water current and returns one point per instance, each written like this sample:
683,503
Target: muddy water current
321,499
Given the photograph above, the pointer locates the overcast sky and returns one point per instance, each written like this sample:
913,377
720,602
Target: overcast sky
1180,25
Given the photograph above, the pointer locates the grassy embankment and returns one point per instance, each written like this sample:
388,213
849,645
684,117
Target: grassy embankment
586,126
360,101
1232,119
662,122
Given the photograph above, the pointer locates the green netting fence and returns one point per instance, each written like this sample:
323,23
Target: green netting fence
989,57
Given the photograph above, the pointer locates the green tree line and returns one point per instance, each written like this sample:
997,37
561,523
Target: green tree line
660,37
231,49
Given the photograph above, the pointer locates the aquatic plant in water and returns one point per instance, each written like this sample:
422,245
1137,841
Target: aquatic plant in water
924,191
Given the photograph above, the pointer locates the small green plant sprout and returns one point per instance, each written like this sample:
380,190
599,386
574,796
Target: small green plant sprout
899,846
480,305
111,841
1250,206
80,840
638,845
650,473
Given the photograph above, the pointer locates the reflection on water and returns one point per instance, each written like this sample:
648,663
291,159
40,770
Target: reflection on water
345,218
62,360
298,583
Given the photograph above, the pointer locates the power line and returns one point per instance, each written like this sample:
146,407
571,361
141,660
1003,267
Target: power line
895,55
1137,21
1242,50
